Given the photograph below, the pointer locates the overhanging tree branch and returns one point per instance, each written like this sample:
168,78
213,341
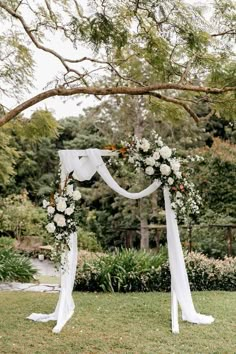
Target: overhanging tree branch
125,90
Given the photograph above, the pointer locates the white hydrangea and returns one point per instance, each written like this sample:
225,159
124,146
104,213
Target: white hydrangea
145,145
150,161
149,170
76,195
69,211
60,220
51,227
165,152
170,181
175,165
156,155
50,210
165,169
61,204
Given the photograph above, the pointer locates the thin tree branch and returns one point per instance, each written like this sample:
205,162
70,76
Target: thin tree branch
177,102
231,31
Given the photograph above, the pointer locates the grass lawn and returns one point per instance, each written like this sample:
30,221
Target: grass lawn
116,323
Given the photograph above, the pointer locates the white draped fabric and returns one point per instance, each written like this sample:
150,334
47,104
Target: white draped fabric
83,169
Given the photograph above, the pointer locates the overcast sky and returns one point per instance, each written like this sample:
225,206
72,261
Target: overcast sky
46,68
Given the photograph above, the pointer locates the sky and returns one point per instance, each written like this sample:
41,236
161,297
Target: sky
46,67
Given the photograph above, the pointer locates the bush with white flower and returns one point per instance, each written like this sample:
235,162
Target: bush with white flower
60,210
160,162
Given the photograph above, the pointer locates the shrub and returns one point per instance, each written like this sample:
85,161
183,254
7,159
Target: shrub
87,241
6,242
20,217
130,270
15,267
122,271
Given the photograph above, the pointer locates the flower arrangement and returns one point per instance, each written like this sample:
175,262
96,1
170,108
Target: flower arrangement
160,162
61,216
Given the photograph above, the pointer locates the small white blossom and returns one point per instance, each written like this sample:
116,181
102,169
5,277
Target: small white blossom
131,159
170,181
145,145
150,161
149,170
157,164
50,210
76,195
45,203
165,169
156,155
179,195
59,237
60,220
165,152
178,174
69,190
51,227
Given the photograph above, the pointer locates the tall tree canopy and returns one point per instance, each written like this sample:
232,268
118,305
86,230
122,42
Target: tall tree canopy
167,50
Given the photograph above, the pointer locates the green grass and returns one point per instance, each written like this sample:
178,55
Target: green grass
116,323
46,279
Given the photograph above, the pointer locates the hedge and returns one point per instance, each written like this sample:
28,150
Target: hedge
129,271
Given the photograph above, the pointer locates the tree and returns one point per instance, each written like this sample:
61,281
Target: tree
181,60
25,152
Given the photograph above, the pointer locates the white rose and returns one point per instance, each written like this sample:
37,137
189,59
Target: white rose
175,165
76,195
69,190
59,237
165,169
150,161
170,181
145,145
50,210
165,152
61,204
156,155
51,227
69,211
149,170
60,220
45,203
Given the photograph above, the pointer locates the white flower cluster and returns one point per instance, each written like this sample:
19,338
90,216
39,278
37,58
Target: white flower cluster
60,214
160,162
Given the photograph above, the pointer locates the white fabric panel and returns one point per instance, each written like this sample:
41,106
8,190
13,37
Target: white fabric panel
98,163
84,169
65,305
179,276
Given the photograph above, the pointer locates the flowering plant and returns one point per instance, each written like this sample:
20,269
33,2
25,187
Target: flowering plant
61,216
160,162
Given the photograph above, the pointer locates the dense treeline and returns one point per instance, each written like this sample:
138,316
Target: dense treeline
104,216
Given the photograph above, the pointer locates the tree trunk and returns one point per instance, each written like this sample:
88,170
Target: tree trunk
144,241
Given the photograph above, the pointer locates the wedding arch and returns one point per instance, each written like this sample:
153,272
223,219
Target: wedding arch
84,164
